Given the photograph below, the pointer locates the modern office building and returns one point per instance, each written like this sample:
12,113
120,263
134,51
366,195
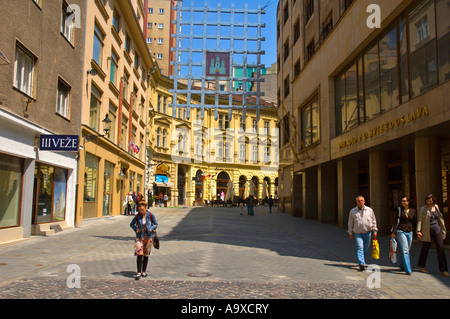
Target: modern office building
40,95
364,109
158,32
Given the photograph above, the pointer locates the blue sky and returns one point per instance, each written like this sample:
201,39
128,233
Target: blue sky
269,18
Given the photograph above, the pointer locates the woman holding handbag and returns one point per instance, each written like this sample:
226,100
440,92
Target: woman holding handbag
430,226
403,231
144,224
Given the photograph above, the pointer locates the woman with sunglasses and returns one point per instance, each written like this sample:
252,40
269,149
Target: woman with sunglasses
431,227
403,231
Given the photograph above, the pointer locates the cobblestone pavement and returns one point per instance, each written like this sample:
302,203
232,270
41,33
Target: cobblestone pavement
209,253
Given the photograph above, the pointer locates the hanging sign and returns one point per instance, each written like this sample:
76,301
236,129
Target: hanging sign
68,143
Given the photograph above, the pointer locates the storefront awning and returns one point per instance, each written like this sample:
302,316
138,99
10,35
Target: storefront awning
159,184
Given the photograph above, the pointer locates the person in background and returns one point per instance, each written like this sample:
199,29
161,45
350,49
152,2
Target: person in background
403,231
361,224
270,202
135,200
431,227
127,203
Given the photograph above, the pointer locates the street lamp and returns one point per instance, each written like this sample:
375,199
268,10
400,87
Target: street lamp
106,124
107,127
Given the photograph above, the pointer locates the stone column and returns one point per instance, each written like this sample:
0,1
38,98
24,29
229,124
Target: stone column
428,169
327,194
310,194
379,189
347,189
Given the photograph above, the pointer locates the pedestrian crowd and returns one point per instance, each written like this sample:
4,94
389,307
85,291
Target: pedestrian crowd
428,223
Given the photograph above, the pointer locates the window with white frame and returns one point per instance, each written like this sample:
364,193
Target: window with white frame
149,40
62,100
255,126
160,25
242,151
220,150
266,154
67,23
227,150
255,153
161,11
158,137
24,64
164,138
160,56
160,40
242,124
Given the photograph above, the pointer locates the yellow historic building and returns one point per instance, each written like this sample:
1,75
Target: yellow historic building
116,76
193,160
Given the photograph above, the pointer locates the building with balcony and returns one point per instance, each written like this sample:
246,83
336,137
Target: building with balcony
193,159
117,71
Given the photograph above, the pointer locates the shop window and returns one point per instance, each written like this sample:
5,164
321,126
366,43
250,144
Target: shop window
90,178
108,188
11,171
96,98
50,199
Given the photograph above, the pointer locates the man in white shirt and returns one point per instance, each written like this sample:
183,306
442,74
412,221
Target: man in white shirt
361,224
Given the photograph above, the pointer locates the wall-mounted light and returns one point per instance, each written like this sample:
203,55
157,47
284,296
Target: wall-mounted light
122,175
92,72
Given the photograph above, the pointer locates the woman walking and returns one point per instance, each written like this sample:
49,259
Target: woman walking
430,226
403,230
144,224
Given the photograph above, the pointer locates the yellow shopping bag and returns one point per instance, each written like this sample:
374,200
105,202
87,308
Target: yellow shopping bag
375,249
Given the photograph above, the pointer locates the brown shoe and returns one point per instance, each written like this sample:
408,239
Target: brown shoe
423,270
445,274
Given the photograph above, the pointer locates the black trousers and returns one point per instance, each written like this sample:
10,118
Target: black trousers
442,260
142,262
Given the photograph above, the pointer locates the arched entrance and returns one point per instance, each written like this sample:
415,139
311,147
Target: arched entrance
222,183
199,186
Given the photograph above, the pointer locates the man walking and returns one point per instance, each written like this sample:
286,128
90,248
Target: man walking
361,224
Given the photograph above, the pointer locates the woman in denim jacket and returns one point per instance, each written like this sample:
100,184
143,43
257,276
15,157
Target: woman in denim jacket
144,224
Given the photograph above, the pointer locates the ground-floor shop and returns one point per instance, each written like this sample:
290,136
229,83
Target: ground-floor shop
37,187
107,175
188,184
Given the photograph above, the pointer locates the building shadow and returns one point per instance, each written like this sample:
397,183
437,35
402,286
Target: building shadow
286,235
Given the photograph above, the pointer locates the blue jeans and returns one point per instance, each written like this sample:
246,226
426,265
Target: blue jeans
362,246
404,241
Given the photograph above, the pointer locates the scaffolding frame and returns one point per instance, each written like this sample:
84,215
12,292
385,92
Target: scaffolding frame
232,51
